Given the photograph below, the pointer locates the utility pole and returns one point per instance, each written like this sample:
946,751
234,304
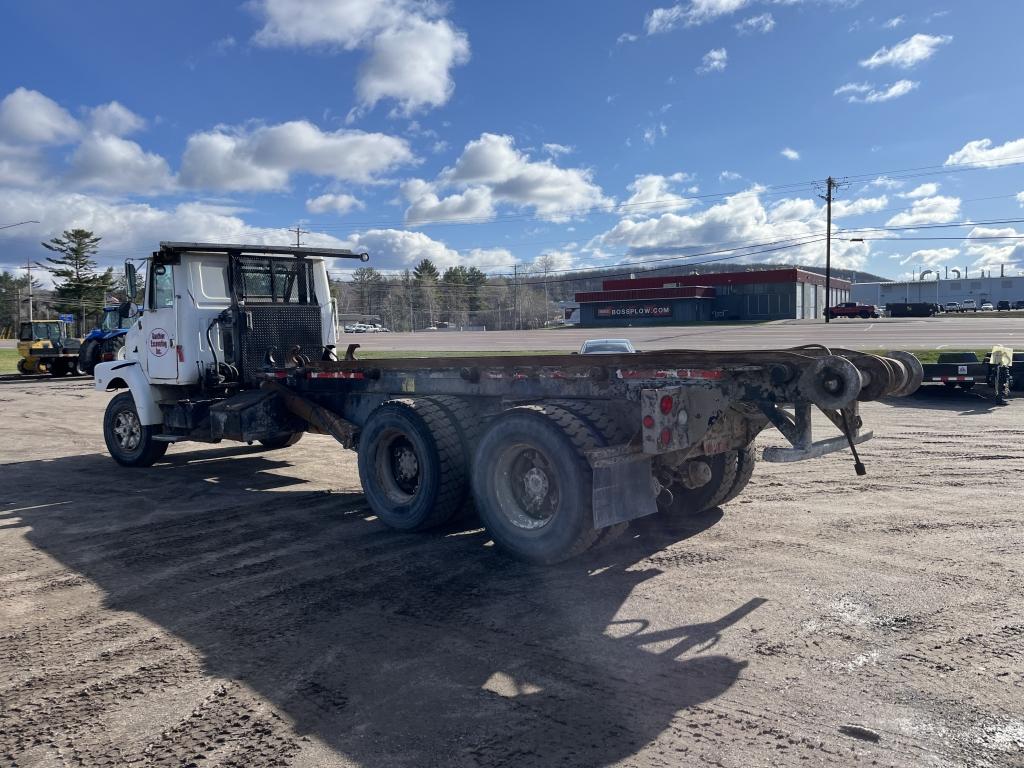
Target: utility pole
299,232
515,297
830,186
28,271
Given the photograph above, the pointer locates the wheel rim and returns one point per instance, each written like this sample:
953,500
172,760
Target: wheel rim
526,487
127,430
398,467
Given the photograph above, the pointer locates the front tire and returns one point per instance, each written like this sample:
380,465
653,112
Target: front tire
129,441
88,356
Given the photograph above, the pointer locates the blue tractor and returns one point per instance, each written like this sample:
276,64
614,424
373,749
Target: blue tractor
106,342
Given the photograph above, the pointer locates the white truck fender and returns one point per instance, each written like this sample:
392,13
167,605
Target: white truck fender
122,374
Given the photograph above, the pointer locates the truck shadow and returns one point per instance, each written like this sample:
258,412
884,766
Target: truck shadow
392,649
939,398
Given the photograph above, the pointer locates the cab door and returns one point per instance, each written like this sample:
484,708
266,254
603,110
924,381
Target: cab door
157,347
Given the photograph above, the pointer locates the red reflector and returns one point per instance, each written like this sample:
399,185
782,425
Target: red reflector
666,436
181,353
649,421
666,404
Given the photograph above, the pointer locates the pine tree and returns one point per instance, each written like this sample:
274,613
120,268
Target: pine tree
78,286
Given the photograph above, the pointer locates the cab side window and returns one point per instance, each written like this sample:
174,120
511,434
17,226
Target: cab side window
162,287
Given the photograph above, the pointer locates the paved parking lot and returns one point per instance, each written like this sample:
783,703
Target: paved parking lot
904,333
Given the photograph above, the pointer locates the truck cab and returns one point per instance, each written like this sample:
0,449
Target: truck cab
213,315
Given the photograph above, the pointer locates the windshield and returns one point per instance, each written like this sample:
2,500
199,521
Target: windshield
111,320
39,331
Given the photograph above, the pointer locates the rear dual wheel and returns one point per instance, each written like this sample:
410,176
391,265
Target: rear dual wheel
532,483
730,473
413,463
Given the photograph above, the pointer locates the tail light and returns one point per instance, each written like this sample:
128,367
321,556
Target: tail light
666,436
666,404
649,421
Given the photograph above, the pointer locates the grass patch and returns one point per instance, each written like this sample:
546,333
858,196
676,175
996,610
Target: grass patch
391,354
9,360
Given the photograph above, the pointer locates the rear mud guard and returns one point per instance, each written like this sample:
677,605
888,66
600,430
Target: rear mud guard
623,487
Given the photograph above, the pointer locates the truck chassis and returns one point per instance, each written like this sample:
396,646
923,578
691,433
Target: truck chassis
555,452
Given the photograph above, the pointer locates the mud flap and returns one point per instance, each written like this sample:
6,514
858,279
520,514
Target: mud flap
623,486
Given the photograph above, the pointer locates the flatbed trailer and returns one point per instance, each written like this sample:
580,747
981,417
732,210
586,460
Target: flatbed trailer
556,452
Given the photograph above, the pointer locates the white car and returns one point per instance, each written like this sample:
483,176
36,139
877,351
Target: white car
607,347
986,306
968,305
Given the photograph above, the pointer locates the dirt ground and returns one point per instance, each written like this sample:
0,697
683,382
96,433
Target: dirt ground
237,607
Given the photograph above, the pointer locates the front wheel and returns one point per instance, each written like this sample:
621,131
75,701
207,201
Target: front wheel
129,441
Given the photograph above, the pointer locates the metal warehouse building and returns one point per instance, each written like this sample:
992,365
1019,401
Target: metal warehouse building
754,296
994,289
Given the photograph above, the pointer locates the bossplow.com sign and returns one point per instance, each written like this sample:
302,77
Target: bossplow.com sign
634,310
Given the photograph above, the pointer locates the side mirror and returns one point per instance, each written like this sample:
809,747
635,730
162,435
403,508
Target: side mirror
124,309
131,278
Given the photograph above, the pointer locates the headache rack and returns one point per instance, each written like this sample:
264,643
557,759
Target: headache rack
274,303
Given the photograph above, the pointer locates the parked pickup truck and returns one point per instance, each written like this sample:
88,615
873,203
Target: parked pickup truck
853,309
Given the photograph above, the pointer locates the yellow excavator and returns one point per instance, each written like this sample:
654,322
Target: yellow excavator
47,346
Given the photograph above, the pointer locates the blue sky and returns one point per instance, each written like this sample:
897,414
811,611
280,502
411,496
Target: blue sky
494,133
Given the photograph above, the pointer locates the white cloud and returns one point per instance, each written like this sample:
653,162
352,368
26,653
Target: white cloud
907,53
763,24
1020,199
29,117
412,47
511,176
556,150
991,253
894,22
933,256
867,93
789,153
263,158
652,195
626,37
401,249
652,133
412,64
741,218
924,190
115,119
858,207
334,203
887,183
475,203
714,60
729,176
981,152
930,210
135,227
692,14
113,164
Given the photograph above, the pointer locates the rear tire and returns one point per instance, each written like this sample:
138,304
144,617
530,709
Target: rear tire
412,465
693,501
532,483
88,356
745,460
59,369
22,368
129,441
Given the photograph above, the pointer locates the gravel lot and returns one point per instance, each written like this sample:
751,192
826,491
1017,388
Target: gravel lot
237,607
